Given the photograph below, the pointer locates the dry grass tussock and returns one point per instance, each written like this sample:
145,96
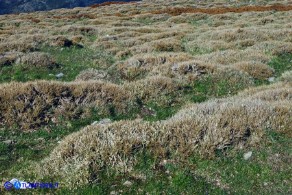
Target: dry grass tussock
256,70
161,45
199,128
142,64
92,74
286,76
33,104
21,43
37,59
8,58
185,70
154,88
248,61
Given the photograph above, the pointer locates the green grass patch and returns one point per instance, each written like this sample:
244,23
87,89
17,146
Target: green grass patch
281,63
161,112
71,60
216,86
266,172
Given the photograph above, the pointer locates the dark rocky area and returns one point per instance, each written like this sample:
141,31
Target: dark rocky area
19,6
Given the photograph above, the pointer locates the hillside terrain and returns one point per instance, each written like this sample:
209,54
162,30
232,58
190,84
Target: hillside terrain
157,97
19,6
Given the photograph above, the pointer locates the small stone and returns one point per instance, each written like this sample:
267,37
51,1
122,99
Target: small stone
60,75
277,155
174,67
113,193
271,79
94,123
41,139
69,124
247,155
128,184
9,142
51,75
265,183
105,121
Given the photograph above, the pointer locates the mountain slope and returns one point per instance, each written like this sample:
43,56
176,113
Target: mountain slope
18,6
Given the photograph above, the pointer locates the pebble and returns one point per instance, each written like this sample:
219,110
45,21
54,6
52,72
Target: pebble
94,123
102,121
271,79
247,155
105,121
60,75
8,142
174,67
127,184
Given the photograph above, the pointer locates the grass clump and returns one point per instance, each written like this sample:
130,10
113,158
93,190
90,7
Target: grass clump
38,103
256,70
91,74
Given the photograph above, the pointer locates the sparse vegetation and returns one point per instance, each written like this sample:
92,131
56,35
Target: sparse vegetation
186,93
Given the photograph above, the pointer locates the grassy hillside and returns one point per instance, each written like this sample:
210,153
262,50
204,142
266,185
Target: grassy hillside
132,99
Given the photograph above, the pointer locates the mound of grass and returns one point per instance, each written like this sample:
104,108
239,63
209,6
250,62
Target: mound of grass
34,104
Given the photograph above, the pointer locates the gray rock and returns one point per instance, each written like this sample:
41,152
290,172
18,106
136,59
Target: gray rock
60,75
9,142
94,123
174,67
105,121
128,184
102,122
247,155
271,79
